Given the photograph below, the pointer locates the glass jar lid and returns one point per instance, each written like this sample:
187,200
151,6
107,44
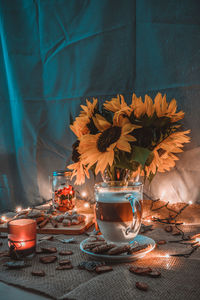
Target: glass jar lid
62,173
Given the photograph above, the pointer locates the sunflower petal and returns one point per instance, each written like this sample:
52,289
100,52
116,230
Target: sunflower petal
157,104
149,107
100,122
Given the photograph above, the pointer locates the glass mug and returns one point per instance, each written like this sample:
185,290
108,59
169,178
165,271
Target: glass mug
119,210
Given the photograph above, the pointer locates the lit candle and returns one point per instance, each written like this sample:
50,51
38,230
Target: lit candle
22,236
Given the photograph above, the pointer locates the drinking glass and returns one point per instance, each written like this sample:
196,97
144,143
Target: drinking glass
119,210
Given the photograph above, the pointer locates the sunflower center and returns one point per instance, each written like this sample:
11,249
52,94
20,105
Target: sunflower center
108,137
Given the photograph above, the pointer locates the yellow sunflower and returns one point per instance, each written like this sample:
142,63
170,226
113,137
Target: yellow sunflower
160,107
115,104
138,107
79,126
163,154
163,109
118,106
80,171
100,148
88,109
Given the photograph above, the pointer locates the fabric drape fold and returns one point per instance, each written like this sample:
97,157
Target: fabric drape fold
55,54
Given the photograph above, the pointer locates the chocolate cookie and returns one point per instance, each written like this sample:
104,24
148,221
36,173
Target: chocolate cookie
64,262
139,248
142,286
103,269
67,252
65,267
119,250
90,246
103,248
48,259
49,250
140,270
40,273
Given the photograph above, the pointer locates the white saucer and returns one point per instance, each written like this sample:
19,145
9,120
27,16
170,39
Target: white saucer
140,239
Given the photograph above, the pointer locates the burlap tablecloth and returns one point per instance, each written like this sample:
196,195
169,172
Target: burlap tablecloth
180,277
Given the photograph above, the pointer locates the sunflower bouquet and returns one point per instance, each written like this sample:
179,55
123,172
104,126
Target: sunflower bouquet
142,137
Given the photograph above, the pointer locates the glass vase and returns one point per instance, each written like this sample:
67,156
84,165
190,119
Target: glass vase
119,174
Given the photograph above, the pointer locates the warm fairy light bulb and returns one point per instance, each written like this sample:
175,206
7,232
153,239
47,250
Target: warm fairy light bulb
83,194
167,266
197,240
86,204
190,202
18,209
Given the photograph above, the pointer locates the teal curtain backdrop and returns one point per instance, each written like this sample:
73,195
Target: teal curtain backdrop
56,53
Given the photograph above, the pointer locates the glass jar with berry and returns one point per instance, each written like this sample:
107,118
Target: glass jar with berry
63,193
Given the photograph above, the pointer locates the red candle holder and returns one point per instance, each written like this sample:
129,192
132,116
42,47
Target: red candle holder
21,237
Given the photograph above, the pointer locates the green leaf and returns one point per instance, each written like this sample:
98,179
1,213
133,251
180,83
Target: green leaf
149,159
122,160
123,164
140,154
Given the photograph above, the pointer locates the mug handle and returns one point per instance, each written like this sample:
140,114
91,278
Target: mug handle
136,209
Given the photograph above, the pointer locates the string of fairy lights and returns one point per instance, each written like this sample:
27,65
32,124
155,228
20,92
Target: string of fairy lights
171,219
87,202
